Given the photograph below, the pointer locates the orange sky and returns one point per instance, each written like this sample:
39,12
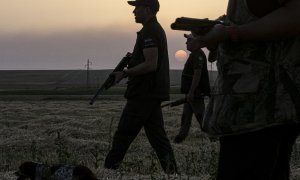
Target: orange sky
49,15
59,17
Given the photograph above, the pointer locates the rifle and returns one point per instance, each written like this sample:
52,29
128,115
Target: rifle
197,26
110,80
176,102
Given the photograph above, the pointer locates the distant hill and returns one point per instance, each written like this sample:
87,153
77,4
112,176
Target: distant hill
62,79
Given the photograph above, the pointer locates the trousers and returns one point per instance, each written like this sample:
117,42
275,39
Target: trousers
196,107
136,115
260,155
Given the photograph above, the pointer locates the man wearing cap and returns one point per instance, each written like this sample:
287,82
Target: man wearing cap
195,85
148,84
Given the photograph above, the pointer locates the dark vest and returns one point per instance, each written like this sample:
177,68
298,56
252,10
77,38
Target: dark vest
203,88
154,85
258,82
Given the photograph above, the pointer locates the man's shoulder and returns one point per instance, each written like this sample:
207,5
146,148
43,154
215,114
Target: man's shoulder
152,28
198,52
199,55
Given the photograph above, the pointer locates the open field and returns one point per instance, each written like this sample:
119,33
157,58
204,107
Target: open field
60,79
65,129
67,82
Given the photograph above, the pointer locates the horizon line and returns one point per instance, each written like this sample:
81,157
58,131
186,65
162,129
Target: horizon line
68,69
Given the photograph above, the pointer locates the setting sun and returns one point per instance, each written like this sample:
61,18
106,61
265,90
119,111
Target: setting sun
181,55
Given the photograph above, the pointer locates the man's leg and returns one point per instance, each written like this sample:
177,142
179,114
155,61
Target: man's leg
186,120
241,157
198,108
282,167
129,126
260,155
154,128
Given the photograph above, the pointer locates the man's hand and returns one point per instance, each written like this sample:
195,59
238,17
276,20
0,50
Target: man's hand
210,40
119,75
190,97
212,56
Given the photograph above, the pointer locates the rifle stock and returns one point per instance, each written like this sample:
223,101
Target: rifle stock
110,80
174,103
197,26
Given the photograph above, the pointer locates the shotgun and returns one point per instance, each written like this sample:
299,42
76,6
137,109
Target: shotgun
174,103
110,80
197,26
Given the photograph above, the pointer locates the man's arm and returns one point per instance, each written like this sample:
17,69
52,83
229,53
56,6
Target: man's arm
195,83
150,64
279,24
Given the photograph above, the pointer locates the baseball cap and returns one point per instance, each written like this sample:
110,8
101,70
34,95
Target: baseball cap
153,4
189,37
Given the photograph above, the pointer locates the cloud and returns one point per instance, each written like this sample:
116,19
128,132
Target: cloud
67,50
70,50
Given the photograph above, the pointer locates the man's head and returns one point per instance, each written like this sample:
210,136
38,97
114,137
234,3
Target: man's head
189,38
144,9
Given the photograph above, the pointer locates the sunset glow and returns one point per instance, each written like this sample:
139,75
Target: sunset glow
181,55
58,15
56,34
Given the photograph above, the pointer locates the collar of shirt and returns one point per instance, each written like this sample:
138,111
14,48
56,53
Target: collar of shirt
152,20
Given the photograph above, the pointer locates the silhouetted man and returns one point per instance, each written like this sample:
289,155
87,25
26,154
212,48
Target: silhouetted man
194,84
255,107
148,85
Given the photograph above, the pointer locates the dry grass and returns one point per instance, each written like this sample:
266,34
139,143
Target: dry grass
73,132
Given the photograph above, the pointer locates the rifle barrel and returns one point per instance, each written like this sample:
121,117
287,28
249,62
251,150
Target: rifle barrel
175,103
193,24
97,93
110,80
164,105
